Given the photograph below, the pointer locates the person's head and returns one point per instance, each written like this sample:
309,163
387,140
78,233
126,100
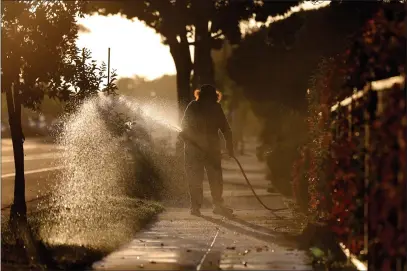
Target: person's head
208,93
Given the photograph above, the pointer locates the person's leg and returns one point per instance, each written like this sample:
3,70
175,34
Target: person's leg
194,170
214,171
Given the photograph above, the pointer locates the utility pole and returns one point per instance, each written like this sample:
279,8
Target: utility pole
108,65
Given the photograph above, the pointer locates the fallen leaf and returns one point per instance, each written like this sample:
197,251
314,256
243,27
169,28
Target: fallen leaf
318,253
232,248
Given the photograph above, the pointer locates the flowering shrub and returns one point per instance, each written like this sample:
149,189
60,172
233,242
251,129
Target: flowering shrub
379,50
387,176
368,188
365,178
369,163
347,181
300,180
309,185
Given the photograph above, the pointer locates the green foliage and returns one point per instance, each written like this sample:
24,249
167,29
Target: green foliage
283,135
225,84
171,18
38,40
376,52
319,98
39,54
87,78
182,21
369,141
265,71
276,63
233,99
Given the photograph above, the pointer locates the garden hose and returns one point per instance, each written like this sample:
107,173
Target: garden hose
273,211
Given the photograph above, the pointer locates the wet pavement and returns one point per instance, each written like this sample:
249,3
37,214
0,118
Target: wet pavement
252,239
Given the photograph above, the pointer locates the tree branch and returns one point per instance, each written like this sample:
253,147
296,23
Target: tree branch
217,35
212,38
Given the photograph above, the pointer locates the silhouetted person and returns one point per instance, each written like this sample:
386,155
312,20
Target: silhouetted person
201,123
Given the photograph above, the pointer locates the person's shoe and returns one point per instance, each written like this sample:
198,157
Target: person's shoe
222,210
195,212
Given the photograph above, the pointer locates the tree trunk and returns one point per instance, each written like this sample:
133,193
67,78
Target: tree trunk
203,64
14,110
18,212
182,59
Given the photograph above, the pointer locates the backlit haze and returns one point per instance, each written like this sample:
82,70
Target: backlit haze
137,49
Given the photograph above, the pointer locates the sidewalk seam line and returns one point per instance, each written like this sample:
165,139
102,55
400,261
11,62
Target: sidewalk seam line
207,251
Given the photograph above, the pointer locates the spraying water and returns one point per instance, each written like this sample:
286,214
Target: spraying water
94,194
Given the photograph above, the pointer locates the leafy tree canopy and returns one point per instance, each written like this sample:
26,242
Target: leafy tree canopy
39,54
276,63
173,17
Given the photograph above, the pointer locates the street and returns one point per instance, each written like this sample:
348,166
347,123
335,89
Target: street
40,169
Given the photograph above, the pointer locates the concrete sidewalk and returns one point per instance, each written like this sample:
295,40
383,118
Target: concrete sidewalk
252,239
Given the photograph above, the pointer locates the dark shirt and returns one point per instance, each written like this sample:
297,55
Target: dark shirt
201,123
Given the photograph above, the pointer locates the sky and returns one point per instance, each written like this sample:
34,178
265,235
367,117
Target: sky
137,49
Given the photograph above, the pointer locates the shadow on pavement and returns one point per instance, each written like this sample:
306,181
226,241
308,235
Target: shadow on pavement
247,171
251,225
261,233
255,186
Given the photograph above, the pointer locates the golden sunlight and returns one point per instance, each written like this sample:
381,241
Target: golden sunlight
135,48
252,25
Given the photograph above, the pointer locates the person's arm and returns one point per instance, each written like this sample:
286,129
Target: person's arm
226,131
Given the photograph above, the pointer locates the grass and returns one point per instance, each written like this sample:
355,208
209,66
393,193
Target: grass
72,242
